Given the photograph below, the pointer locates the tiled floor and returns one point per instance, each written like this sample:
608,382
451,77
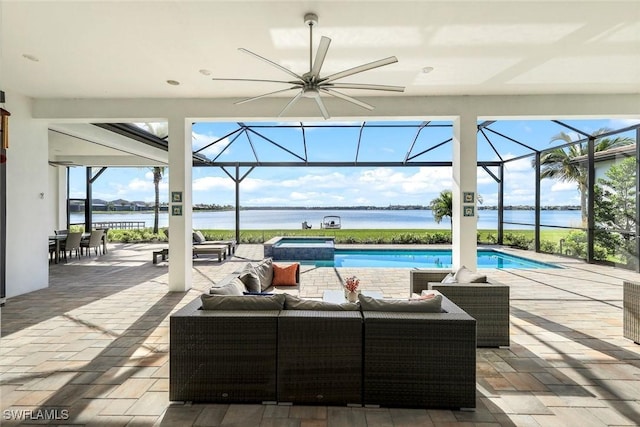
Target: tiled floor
92,350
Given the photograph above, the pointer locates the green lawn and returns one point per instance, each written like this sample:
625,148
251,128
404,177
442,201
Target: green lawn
365,236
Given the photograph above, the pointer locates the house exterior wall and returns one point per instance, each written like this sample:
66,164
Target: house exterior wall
29,215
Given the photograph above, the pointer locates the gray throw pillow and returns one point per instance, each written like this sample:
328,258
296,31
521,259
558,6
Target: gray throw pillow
243,302
249,276
265,272
234,287
464,275
432,305
294,303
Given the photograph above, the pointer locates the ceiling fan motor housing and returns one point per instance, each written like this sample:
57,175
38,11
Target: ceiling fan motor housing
311,19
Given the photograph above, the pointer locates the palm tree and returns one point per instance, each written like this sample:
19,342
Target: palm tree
161,131
158,172
559,163
442,206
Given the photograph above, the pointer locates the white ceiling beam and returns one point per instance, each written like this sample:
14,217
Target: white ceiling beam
386,108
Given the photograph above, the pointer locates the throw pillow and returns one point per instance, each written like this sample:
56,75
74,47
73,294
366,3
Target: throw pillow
285,276
258,293
265,272
198,237
234,287
295,303
449,279
464,275
242,302
249,276
431,305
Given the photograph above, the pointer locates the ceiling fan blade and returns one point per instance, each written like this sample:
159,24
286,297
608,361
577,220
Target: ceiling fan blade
363,86
278,66
290,103
320,55
322,108
257,80
264,95
360,69
347,98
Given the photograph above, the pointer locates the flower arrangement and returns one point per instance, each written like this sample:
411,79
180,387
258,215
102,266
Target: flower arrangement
352,283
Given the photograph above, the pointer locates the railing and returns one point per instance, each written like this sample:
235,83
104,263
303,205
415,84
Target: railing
120,225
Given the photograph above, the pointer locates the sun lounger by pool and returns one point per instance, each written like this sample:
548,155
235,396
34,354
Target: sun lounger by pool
230,244
219,250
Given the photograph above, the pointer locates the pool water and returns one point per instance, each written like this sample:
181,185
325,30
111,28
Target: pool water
422,258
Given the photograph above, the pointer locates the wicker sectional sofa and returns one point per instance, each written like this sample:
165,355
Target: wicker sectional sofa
341,356
631,310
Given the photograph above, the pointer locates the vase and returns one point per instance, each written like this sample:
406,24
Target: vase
352,296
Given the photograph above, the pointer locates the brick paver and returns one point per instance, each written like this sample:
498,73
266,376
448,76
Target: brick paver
95,344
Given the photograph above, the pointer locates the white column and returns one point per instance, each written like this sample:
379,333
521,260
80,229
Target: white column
465,166
60,195
180,221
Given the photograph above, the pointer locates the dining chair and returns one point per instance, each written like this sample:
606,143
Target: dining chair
94,241
72,243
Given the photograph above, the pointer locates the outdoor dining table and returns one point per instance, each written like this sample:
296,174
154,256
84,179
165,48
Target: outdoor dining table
56,240
62,237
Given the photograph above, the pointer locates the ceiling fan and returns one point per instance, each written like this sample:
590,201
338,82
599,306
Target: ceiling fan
311,84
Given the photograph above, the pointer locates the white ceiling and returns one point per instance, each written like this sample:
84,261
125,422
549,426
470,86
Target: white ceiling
129,49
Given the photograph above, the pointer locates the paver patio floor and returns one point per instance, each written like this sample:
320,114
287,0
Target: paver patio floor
92,349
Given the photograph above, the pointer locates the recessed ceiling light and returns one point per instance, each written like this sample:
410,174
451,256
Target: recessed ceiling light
205,72
427,70
173,82
30,57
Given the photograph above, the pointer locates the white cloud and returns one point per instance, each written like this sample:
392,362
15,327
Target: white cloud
200,140
210,183
519,165
563,186
138,184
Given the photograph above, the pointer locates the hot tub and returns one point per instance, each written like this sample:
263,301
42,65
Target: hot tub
300,248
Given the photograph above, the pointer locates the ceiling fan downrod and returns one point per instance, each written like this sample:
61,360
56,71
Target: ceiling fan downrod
311,19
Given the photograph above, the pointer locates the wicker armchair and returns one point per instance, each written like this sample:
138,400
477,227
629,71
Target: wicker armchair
631,313
488,303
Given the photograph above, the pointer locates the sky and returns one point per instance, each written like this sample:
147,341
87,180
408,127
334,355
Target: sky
351,186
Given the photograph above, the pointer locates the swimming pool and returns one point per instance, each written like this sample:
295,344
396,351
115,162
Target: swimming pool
300,248
422,258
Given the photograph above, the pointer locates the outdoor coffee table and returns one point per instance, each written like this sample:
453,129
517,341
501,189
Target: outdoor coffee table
338,297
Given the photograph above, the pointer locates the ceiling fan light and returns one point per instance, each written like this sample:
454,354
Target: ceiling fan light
310,92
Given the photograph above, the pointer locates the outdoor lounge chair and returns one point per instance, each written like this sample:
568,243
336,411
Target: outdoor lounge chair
200,241
219,250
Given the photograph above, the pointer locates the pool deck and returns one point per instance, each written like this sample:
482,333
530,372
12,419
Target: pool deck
95,342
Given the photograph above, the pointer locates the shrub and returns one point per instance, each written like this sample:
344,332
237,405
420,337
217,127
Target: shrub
548,247
491,238
518,241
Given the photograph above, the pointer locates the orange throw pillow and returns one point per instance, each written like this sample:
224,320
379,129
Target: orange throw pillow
284,276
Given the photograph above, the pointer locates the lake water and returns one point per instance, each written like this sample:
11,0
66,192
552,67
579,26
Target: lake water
350,219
